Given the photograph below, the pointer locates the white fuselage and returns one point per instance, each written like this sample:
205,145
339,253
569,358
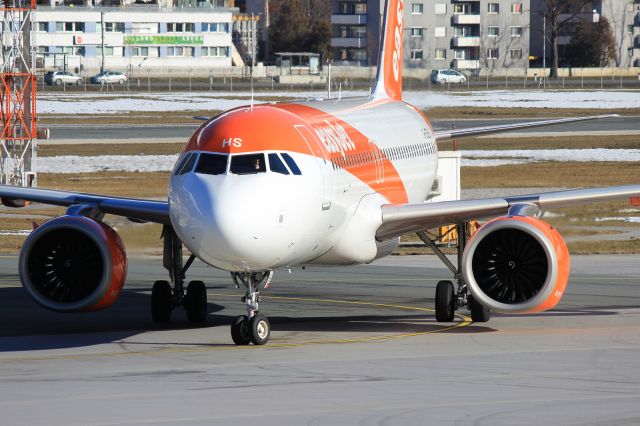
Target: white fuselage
353,155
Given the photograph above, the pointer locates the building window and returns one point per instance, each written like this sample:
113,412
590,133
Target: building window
108,51
42,26
70,27
441,54
461,9
417,8
214,27
179,51
516,31
181,27
353,8
441,8
462,31
493,31
110,27
416,32
630,29
140,51
459,54
42,49
417,54
440,32
516,7
492,53
515,53
493,8
219,51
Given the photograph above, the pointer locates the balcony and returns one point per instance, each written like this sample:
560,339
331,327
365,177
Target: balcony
349,42
466,19
349,19
466,64
466,41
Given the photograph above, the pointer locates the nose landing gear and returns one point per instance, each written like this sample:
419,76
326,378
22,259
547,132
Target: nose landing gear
253,327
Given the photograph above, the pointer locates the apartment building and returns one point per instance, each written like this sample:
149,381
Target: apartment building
134,37
623,16
464,34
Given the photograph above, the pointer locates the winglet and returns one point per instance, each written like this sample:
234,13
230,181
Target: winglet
390,57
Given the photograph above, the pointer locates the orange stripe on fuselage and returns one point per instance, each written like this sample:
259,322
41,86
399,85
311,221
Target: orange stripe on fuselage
278,128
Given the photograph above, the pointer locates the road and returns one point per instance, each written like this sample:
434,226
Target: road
173,131
350,345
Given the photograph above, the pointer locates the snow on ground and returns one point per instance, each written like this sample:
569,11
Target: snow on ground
111,103
475,158
629,219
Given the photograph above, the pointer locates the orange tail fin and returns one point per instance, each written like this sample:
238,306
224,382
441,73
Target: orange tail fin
389,78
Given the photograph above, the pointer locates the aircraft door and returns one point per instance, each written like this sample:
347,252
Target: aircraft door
321,159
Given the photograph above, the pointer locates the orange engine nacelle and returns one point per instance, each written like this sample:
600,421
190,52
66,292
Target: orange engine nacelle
516,264
73,264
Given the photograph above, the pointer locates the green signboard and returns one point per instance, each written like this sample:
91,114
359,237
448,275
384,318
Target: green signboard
141,40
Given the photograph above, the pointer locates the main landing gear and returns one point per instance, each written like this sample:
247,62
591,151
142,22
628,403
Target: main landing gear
253,327
164,298
449,299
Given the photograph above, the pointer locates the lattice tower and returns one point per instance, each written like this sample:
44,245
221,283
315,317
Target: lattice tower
18,95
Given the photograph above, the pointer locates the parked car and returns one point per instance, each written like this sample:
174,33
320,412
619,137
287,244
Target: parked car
447,76
58,78
109,77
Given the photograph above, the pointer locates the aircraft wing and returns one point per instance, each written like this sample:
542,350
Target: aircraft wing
136,209
443,135
407,218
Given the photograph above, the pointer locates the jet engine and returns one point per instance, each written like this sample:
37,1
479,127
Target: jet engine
516,264
73,264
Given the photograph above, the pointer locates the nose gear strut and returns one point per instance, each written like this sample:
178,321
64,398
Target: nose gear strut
253,327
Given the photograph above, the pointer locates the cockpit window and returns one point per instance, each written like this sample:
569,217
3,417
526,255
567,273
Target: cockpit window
247,164
292,164
186,164
276,165
212,164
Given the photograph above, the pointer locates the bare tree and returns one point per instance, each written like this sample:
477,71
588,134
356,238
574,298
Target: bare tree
558,15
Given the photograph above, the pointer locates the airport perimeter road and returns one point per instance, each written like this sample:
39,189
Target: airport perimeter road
350,345
151,132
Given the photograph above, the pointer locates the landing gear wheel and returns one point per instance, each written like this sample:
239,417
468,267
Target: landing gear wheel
479,313
161,301
259,329
195,302
445,301
240,330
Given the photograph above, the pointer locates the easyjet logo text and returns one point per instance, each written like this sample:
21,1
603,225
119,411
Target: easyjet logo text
397,41
335,138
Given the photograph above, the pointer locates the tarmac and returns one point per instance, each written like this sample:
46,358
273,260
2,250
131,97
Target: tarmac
350,345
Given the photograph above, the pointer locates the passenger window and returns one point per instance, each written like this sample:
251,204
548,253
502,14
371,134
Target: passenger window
247,164
292,164
212,164
276,165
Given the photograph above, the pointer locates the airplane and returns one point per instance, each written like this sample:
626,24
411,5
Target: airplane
321,182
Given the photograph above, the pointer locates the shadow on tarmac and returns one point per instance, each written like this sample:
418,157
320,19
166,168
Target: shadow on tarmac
25,326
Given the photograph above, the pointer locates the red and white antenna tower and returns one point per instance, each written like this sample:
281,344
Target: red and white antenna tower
17,95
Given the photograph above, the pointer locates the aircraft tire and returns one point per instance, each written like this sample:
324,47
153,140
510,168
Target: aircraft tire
259,329
445,301
240,330
195,302
161,301
479,313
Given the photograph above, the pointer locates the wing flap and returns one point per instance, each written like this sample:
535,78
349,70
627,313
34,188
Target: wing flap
146,210
487,130
406,218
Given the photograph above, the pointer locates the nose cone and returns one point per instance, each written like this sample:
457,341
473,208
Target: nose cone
243,223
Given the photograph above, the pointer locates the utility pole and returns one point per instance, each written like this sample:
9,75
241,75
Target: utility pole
544,51
102,40
18,95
